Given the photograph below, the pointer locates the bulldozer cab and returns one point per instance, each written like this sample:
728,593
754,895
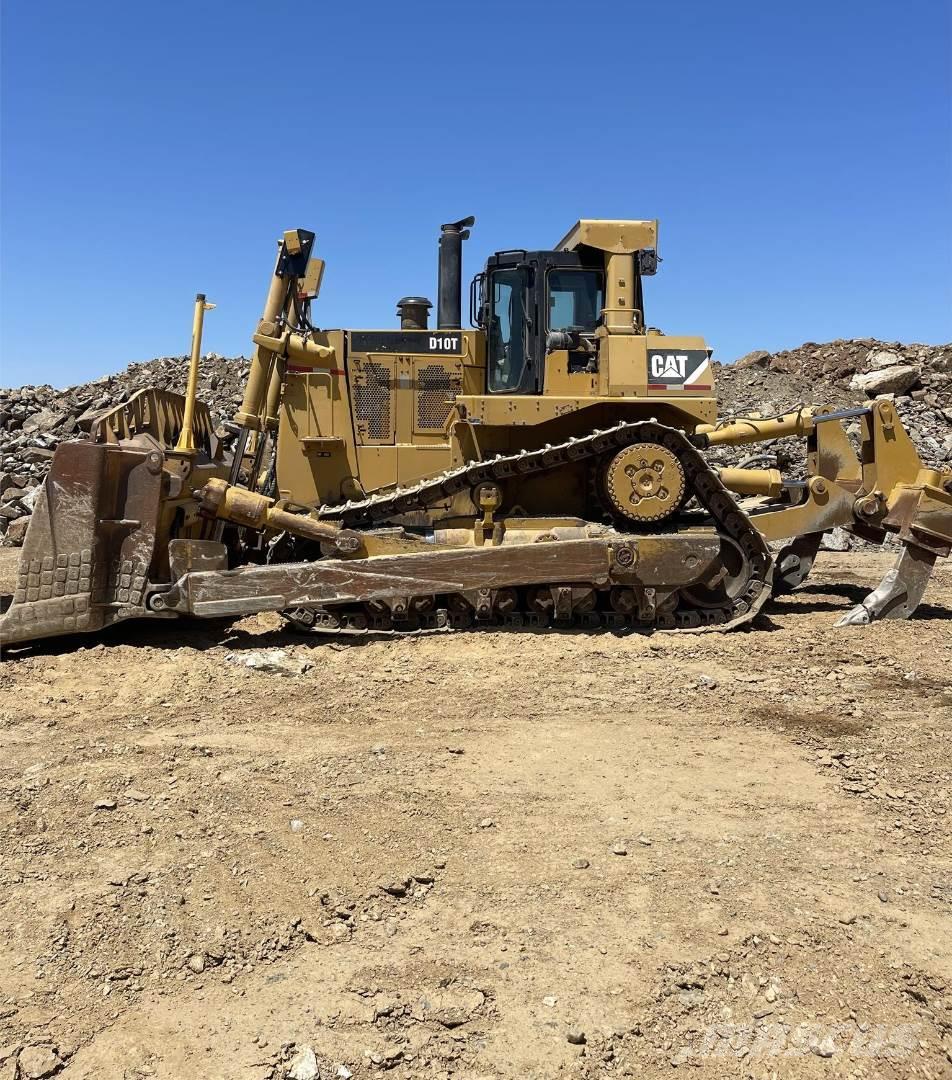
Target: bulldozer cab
532,303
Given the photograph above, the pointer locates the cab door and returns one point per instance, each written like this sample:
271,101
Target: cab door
508,357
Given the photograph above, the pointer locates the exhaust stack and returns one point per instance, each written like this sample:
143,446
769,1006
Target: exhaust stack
449,310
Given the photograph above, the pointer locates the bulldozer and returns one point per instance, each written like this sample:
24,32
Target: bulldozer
546,466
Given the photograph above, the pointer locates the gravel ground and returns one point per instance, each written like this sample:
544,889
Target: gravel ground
483,854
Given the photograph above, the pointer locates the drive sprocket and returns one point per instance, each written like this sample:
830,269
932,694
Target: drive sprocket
645,482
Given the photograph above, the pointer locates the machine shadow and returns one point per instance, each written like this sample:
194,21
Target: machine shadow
203,635
813,598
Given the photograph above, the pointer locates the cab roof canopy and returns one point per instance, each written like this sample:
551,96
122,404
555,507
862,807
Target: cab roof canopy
616,237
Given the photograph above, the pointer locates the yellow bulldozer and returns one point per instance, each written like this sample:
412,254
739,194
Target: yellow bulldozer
545,467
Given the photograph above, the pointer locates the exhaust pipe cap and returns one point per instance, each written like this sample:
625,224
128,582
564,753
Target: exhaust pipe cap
414,312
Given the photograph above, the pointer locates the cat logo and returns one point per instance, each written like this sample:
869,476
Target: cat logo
669,365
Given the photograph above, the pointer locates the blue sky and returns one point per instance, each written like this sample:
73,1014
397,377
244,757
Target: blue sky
799,158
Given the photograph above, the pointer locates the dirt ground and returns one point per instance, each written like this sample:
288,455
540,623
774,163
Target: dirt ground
485,854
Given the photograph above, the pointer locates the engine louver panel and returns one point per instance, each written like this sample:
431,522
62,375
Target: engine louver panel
436,386
373,401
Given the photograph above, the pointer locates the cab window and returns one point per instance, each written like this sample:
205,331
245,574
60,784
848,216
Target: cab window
576,300
507,330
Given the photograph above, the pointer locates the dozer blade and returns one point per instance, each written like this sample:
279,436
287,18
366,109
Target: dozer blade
90,542
898,595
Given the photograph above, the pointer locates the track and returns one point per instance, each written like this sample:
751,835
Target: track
732,599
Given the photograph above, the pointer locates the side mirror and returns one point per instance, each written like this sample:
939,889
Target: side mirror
648,261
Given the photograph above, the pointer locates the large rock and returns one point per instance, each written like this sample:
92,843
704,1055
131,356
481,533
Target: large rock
303,1066
272,661
44,420
876,359
16,531
896,379
86,419
787,362
11,510
38,455
836,540
38,1062
757,358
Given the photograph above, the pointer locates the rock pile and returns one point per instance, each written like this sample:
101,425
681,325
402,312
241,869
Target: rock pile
918,378
35,419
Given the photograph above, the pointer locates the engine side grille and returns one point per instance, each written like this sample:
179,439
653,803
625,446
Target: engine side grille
373,396
435,387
